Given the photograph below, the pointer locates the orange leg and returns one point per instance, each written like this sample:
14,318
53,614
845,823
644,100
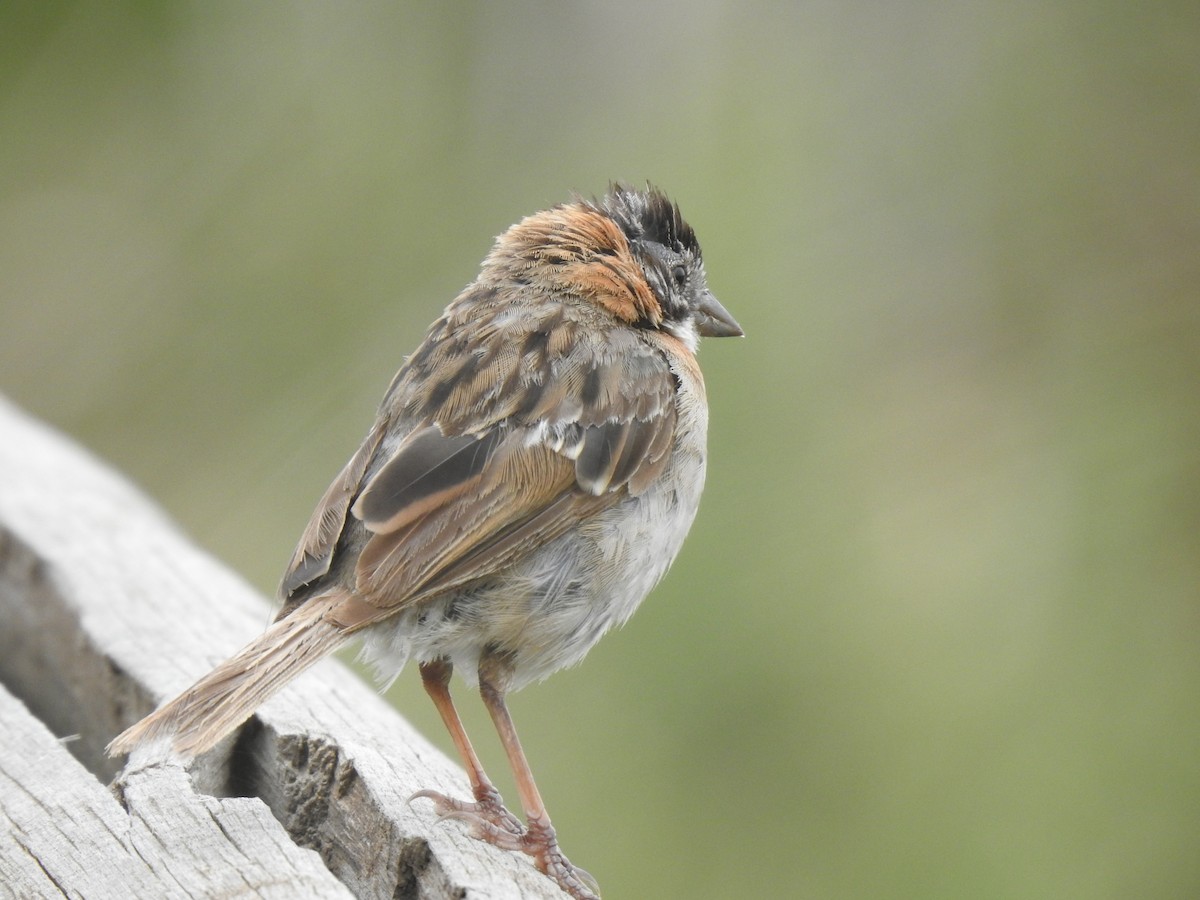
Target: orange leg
487,818
539,840
488,808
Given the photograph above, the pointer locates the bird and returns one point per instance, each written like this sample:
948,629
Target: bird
530,475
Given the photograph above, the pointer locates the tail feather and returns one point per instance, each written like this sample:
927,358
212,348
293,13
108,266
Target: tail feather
224,698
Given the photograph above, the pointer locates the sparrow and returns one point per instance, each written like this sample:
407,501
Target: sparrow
531,474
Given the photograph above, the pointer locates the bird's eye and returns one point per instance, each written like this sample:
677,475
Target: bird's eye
679,276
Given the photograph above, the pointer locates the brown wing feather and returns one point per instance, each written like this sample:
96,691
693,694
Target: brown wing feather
454,503
522,425
314,553
514,483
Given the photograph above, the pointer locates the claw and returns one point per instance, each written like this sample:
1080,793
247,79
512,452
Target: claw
541,843
488,820
577,882
487,817
483,829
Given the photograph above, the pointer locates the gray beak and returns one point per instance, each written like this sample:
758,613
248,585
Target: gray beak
714,320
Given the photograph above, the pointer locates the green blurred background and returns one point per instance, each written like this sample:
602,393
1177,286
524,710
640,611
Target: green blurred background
934,633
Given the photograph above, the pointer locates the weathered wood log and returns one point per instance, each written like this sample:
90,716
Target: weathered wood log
106,610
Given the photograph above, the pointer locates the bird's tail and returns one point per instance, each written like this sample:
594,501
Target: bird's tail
224,698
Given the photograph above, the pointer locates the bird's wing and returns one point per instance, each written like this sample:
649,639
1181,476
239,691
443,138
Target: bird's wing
314,553
526,428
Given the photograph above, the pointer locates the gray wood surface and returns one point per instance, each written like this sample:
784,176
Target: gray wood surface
106,610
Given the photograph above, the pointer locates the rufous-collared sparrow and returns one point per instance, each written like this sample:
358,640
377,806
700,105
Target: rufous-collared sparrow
530,476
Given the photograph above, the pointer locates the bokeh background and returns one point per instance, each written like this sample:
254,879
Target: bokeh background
934,634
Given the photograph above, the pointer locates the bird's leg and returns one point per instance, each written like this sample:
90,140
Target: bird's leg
487,816
538,840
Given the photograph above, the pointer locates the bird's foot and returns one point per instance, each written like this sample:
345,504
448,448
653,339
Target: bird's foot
487,818
540,842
